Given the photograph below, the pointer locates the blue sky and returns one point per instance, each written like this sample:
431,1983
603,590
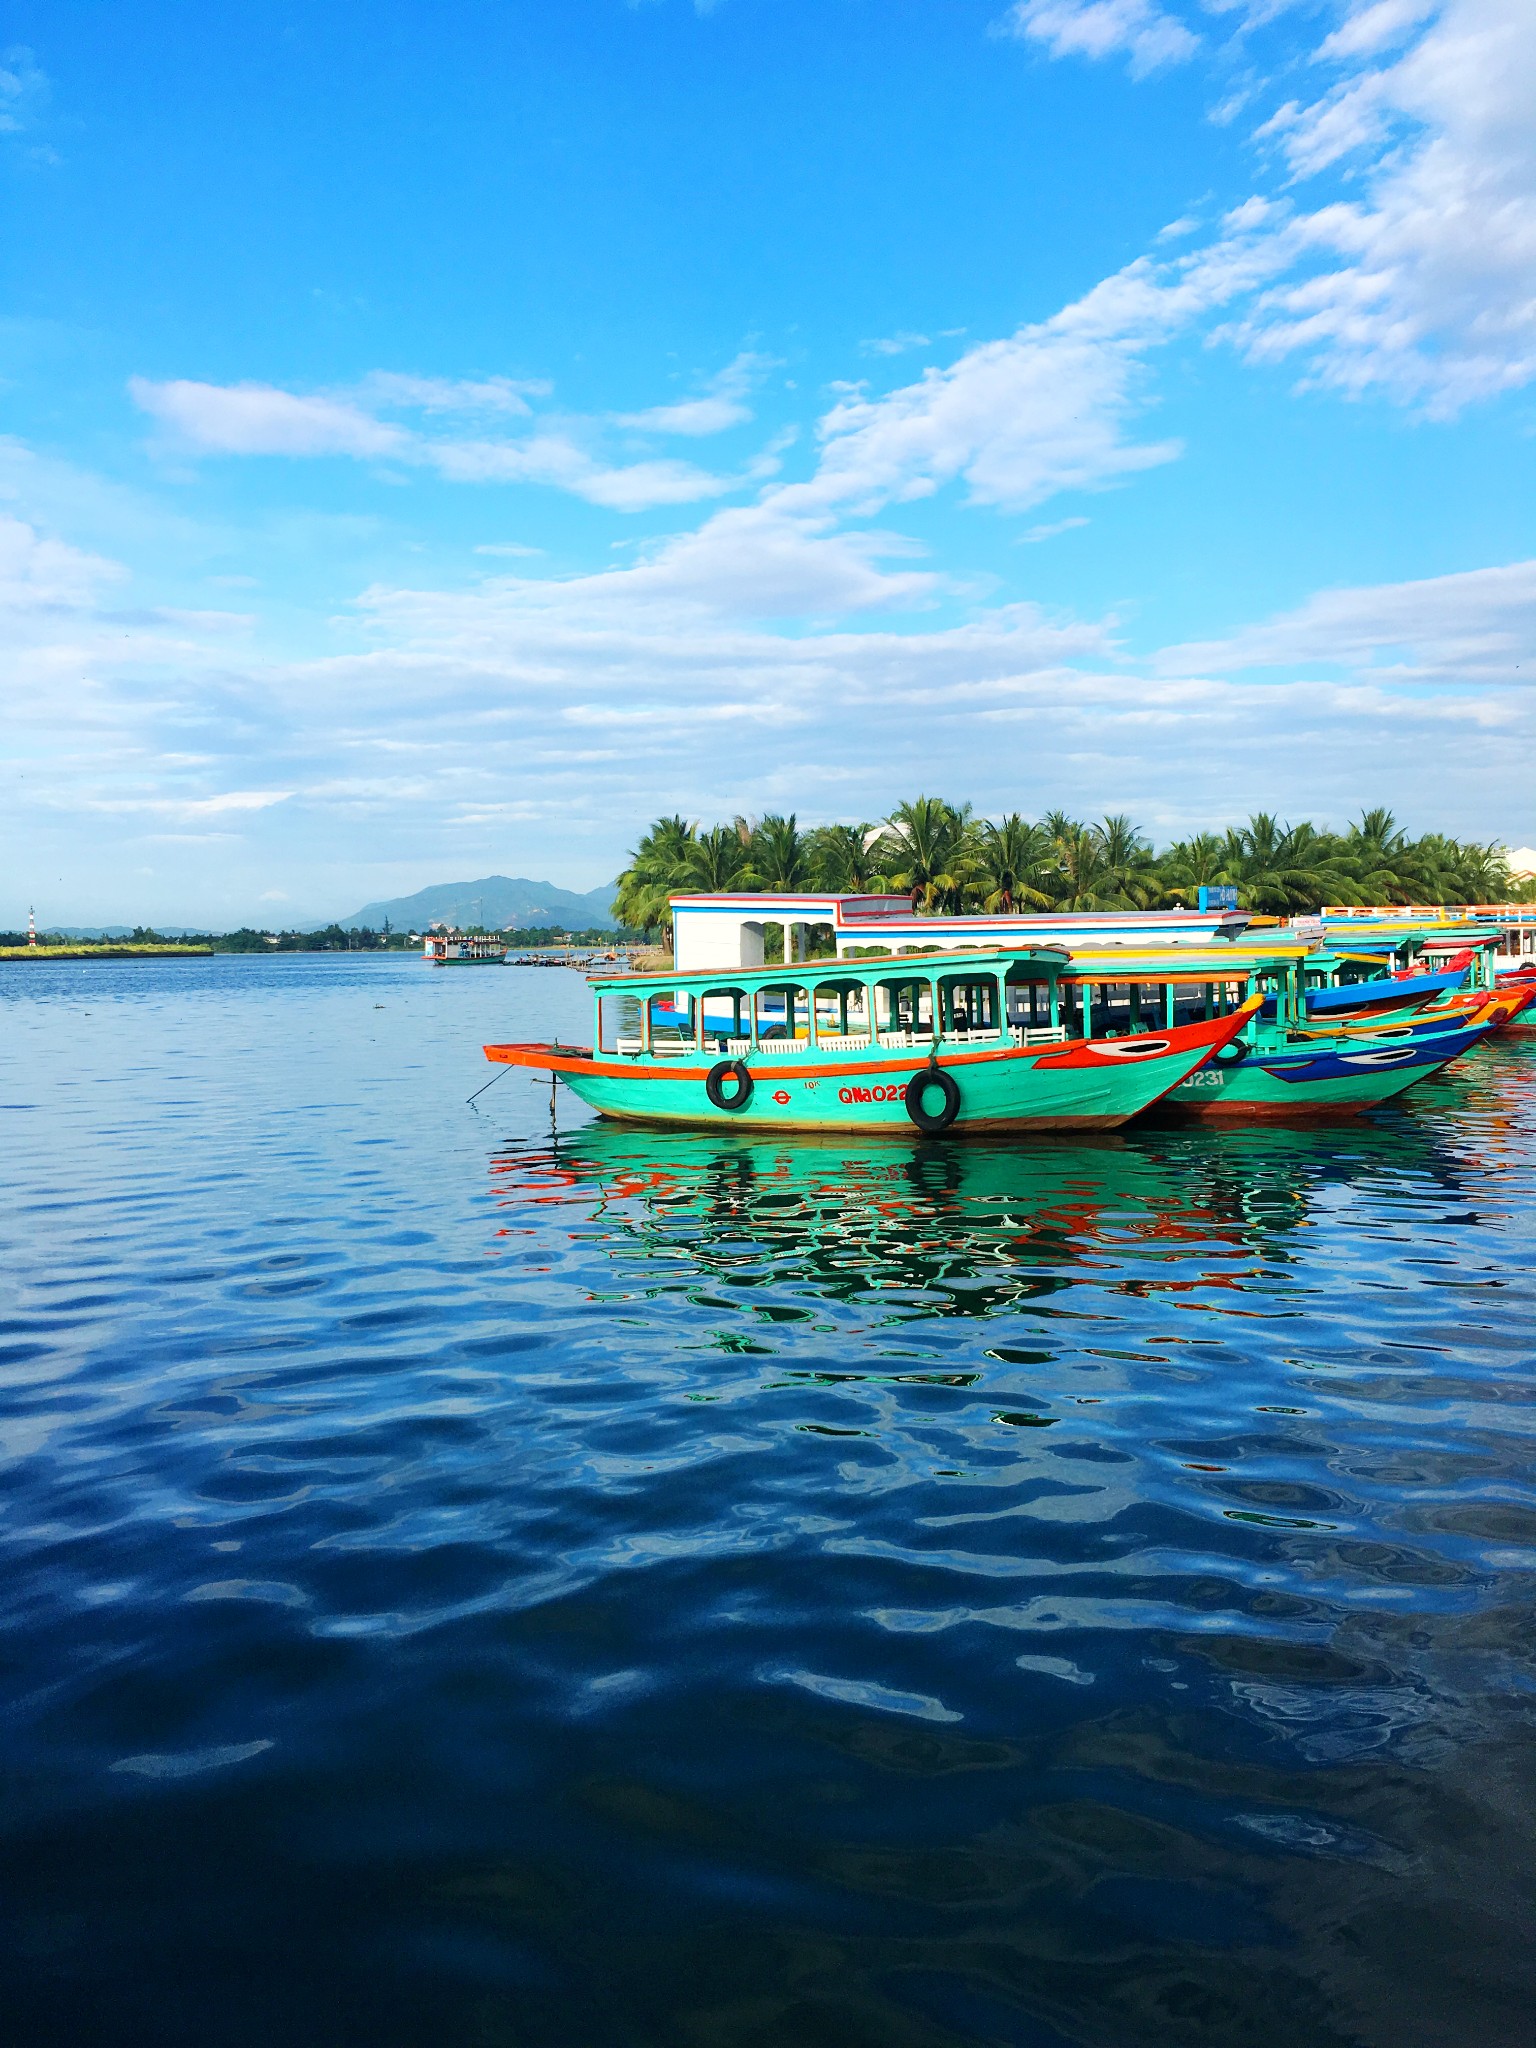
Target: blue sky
438,440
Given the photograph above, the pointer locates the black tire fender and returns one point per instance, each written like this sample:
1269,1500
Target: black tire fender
1234,1050
926,1079
715,1085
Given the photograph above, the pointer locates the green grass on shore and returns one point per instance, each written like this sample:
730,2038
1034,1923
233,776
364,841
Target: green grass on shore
106,951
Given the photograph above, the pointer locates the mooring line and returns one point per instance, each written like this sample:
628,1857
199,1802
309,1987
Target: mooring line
489,1084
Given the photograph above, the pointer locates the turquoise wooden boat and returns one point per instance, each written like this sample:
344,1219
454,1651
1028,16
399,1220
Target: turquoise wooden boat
1016,1038
1287,1064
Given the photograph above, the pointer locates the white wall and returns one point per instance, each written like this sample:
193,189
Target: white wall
712,938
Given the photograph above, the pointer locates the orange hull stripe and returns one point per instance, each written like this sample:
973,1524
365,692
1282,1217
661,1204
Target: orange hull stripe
1070,1052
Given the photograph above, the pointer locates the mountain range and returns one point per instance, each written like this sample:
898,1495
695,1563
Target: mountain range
499,902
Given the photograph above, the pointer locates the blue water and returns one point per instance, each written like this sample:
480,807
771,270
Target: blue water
464,1586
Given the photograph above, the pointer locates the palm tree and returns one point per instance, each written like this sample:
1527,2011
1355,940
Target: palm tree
1084,879
1281,868
1481,874
935,853
657,870
1127,860
927,843
781,855
1192,864
1381,860
717,860
1010,858
845,859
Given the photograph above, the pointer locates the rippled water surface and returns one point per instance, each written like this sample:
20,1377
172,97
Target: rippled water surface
464,1586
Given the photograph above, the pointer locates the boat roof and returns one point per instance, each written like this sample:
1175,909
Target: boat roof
1185,963
1386,934
779,973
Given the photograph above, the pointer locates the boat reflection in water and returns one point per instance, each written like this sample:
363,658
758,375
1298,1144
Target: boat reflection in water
1089,1594
955,1229
1084,1615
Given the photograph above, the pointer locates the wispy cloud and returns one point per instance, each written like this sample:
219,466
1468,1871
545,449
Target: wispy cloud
1417,282
1476,627
39,572
264,420
575,706
1050,531
721,405
1147,36
1424,289
388,390
895,344
259,419
1048,409
23,90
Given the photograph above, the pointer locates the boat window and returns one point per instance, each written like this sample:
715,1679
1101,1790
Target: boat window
842,1013
1029,1000
904,1006
783,1012
968,1004
1128,1009
672,1022
723,1015
618,1021
1199,1002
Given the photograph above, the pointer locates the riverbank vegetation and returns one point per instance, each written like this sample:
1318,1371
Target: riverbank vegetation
944,859
14,948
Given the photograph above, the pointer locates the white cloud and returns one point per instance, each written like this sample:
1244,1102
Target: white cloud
259,419
1476,627
721,672
895,344
1418,280
1051,530
39,572
187,807
1423,289
1374,27
1043,411
615,696
553,458
1353,116
1104,28
752,561
387,389
23,90
721,406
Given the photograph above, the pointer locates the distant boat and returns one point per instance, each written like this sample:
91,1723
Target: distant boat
459,949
